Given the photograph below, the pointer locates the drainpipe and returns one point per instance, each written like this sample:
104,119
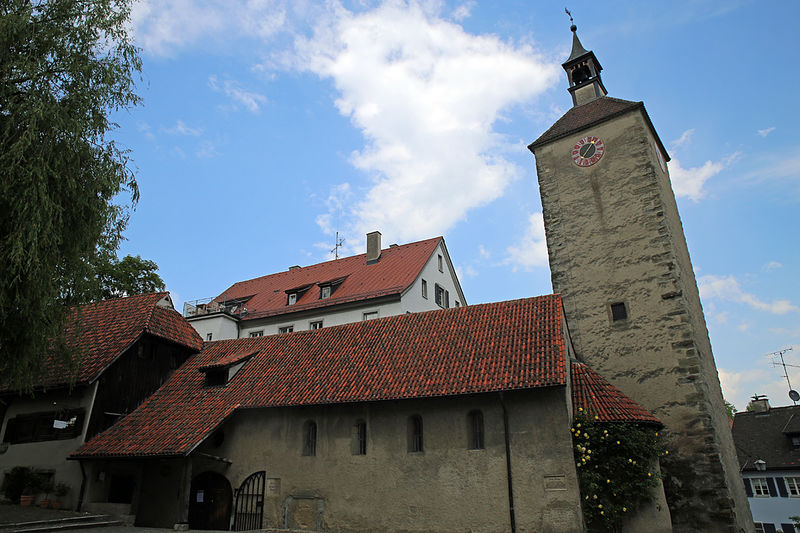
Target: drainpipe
83,486
508,467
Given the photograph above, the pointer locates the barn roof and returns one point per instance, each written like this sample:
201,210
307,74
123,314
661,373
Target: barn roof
97,333
491,347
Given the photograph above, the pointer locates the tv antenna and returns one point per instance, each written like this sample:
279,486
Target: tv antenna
338,244
793,394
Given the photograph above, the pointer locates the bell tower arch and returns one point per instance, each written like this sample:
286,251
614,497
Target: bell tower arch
618,256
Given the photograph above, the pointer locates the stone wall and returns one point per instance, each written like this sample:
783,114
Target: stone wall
614,235
447,487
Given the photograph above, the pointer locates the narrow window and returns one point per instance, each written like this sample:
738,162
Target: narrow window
424,289
317,324
310,438
618,312
325,292
415,434
439,295
259,333
794,486
441,264
475,430
458,304
208,336
286,329
360,438
370,315
447,299
292,298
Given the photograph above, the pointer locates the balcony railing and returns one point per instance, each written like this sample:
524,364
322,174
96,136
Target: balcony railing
207,306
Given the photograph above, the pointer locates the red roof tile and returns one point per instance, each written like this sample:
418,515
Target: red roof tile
491,347
397,269
101,331
600,398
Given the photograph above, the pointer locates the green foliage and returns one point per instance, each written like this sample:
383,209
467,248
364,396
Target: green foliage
21,480
616,469
65,65
730,409
132,275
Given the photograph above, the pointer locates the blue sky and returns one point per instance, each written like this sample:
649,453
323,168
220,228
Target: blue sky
268,125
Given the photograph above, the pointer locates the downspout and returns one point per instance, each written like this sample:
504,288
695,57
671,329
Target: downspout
83,486
508,467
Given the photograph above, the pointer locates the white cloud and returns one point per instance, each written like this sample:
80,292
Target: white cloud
531,251
250,100
772,265
484,253
425,94
689,182
180,128
739,387
330,221
464,10
685,138
162,28
766,131
728,288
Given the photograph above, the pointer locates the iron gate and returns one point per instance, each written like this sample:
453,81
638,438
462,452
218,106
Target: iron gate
249,508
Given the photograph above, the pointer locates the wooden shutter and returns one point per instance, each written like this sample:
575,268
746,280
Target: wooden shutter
769,528
782,488
748,488
771,486
788,528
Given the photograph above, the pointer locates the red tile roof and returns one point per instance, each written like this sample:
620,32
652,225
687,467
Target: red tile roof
491,347
600,398
397,269
100,332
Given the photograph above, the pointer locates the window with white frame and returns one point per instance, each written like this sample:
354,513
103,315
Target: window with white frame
209,336
292,298
286,329
760,527
441,296
316,324
793,484
441,264
325,292
369,315
760,489
259,333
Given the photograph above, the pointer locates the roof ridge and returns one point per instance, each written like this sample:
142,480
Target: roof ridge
349,257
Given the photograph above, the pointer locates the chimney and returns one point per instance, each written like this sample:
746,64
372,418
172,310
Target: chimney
759,404
373,247
294,267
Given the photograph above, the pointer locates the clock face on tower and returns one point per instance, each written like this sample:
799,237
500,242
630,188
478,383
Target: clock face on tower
588,151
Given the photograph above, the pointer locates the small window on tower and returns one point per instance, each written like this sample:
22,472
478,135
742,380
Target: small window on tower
618,312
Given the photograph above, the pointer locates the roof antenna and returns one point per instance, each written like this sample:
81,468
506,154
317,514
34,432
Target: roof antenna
338,244
793,394
572,25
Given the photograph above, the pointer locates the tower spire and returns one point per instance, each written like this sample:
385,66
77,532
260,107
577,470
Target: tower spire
583,71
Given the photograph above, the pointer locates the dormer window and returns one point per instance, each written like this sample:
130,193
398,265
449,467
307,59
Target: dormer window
218,374
292,298
325,292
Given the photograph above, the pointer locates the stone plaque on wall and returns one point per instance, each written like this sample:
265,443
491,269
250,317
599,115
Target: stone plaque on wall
555,482
273,486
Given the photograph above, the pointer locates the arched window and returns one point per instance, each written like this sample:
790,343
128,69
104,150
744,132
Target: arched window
310,438
415,434
359,443
475,430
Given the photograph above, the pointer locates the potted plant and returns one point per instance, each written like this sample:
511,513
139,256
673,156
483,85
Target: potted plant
47,488
33,485
60,490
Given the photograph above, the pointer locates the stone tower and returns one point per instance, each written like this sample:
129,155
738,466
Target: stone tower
619,258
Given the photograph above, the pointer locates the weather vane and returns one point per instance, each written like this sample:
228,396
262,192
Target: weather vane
570,15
